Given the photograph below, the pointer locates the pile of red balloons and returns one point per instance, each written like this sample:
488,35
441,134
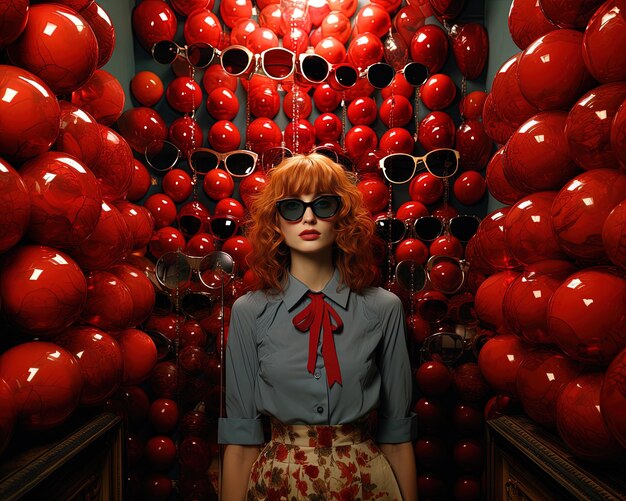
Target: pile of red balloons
554,269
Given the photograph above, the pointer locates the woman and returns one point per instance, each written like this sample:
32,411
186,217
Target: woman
317,350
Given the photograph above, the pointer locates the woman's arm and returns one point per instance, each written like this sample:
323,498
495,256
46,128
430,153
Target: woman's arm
402,461
238,461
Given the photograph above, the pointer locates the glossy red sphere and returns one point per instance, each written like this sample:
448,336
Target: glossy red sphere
469,383
438,92
437,130
411,210
468,455
499,187
166,239
194,454
577,222
233,10
429,46
527,22
140,182
239,248
224,136
430,452
109,303
495,127
64,57
139,353
618,135
218,184
328,127
446,245
331,49
261,39
375,194
215,76
551,72
533,165
411,249
528,230
613,235
184,94
541,378
42,289
103,29
241,29
580,423
13,18
160,452
489,297
100,361
140,126
336,25
64,198
426,188
469,187
30,120
398,87
364,50
113,166
499,361
141,291
134,403
584,316
360,139
185,133
397,140
431,414
109,242
471,105
467,419
473,144
46,382
298,104
613,398
430,485
470,45
407,21
177,184
153,21
263,133
15,207
264,101
203,26
433,378
362,111
163,415
396,111
588,126
605,32
374,19
162,208
139,221
79,134
102,96
167,379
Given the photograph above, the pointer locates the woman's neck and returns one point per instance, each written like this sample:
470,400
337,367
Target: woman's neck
313,270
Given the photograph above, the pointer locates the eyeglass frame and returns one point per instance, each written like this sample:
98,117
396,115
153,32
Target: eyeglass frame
416,160
468,344
410,227
463,267
221,160
183,50
194,263
338,158
310,205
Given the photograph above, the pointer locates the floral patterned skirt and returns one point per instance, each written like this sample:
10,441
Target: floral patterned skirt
319,463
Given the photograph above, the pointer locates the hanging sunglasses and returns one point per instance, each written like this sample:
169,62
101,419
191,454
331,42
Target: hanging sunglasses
342,76
198,54
445,274
399,168
313,68
450,347
324,207
175,270
271,157
381,75
223,227
238,163
193,304
162,155
462,227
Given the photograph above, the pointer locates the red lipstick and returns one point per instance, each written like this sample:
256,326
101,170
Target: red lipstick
309,235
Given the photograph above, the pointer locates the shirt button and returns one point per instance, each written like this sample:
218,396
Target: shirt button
320,409
317,375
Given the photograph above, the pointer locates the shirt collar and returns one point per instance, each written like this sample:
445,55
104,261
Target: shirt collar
334,290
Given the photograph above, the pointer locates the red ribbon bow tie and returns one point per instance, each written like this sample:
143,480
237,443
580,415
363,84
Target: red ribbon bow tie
317,317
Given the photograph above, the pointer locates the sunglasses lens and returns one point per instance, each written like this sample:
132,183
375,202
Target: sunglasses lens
189,225
346,76
278,63
173,270
441,163
235,61
291,210
432,309
223,228
196,305
428,228
164,52
314,68
162,303
464,227
273,156
327,152
202,161
200,55
161,155
444,347
390,229
399,168
446,275
380,75
326,206
216,269
240,164
410,276
416,74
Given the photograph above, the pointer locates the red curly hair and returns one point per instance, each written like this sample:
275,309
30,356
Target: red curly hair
297,176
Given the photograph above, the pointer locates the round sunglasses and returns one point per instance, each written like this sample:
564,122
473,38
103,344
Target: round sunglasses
238,163
271,157
399,168
381,75
324,207
198,54
427,228
445,274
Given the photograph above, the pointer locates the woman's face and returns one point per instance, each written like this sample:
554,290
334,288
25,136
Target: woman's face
310,234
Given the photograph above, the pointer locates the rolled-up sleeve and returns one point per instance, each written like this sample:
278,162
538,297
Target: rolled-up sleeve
243,424
396,424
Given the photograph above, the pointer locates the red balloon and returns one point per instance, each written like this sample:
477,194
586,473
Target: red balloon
360,139
580,423
411,249
328,127
577,223
140,182
336,25
186,7
468,455
469,187
15,207
224,136
551,72
411,210
42,289
470,45
13,18
109,243
265,101
326,99
141,291
184,95
102,96
65,199
114,165
298,104
163,415
100,361
588,126
511,105
362,111
233,10
241,29
139,353
365,50
239,248
397,140
374,19
433,378
153,21
492,243
495,127
430,452
147,88
166,239
528,230
471,105
499,187
261,39
396,111
541,378
160,454
407,21
162,208
568,13
531,165
398,87
166,379
375,194
527,22
215,76
499,361
30,121
447,9
222,104
467,419
426,188
250,186
331,49
446,245
473,145
263,133
467,488
429,46
177,184
202,26
437,130
103,29
618,134
218,184
430,485
604,35
431,414
65,57
109,303
438,92
489,297
186,134
46,382
612,398
613,235
585,316
469,383
79,134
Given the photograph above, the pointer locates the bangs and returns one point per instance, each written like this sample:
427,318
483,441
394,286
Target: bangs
299,176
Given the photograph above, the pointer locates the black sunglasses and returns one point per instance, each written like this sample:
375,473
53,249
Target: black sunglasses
381,75
238,163
324,207
427,228
399,168
198,54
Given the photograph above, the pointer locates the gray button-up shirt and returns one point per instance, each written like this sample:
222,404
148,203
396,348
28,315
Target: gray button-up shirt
266,359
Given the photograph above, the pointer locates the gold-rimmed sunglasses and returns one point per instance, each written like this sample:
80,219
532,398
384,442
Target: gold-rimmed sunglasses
399,168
